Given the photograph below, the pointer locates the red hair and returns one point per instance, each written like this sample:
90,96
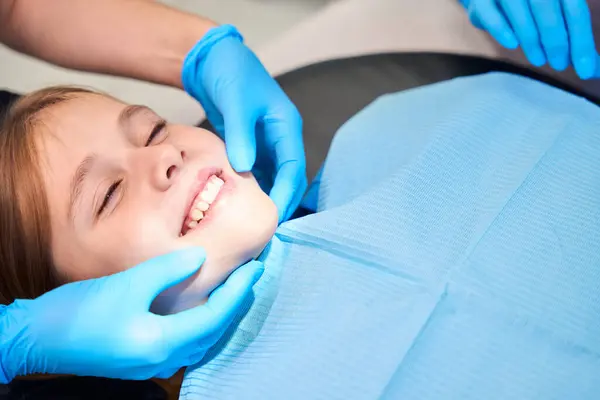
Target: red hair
26,267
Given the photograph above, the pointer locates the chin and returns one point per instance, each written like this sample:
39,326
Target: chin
237,241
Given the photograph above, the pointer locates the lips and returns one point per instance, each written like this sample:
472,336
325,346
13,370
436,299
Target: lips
198,186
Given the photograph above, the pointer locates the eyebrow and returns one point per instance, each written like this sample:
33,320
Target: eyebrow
86,165
129,112
77,181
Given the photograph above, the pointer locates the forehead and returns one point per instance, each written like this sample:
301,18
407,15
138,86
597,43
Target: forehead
72,129
82,116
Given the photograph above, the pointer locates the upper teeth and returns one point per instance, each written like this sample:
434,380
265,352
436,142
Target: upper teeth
203,201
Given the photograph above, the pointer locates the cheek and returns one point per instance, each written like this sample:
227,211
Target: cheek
116,244
139,236
253,211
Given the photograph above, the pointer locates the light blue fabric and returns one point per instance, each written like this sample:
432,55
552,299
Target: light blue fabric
455,255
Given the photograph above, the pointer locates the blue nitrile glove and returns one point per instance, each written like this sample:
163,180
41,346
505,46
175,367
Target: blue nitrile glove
103,327
253,114
558,31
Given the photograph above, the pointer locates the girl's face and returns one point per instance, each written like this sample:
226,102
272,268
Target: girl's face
123,186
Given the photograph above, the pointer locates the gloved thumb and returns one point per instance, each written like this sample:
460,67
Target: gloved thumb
240,139
154,276
207,323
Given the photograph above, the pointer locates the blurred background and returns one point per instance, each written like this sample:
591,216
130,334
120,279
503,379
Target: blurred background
288,34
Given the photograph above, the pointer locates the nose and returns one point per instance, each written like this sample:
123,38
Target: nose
163,163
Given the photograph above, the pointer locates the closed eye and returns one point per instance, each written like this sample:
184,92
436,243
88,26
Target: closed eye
108,197
158,128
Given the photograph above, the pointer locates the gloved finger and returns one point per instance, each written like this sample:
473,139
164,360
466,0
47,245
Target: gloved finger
288,188
475,20
298,196
162,272
240,137
285,138
553,32
168,373
195,358
216,120
486,15
521,19
212,319
294,206
290,181
581,37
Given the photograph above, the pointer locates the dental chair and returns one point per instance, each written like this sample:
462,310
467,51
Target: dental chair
327,95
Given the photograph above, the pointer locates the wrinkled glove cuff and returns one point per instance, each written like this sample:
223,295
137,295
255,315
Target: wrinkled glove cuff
3,376
195,57
13,327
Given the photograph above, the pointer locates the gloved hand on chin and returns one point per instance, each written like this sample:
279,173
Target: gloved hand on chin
260,125
103,327
557,31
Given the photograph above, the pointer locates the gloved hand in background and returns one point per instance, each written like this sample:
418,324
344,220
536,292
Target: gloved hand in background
103,327
554,31
251,112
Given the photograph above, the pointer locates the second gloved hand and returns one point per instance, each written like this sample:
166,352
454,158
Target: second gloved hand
253,114
554,31
103,327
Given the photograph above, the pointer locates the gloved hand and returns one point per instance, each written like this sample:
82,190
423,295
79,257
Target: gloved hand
249,109
559,31
103,327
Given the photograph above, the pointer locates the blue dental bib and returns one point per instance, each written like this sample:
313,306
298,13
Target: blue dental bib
454,254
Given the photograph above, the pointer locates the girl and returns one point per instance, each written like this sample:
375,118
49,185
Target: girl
452,252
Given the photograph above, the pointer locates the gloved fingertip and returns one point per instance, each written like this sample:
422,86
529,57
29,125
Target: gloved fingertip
282,214
184,262
289,214
168,269
585,67
559,62
243,278
537,58
241,161
241,166
280,204
193,254
259,269
167,374
509,41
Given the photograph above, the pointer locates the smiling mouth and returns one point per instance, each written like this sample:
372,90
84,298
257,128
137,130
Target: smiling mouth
201,205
